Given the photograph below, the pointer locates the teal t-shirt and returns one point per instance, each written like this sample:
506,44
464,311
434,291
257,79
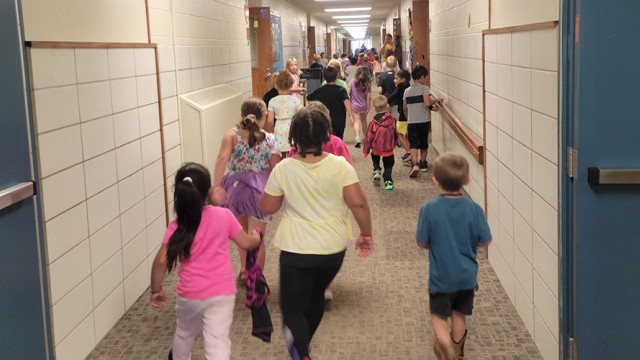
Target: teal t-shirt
452,227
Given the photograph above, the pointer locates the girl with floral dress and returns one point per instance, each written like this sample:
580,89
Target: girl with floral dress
248,154
281,110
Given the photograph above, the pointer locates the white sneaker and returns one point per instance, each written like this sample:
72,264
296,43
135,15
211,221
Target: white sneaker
415,170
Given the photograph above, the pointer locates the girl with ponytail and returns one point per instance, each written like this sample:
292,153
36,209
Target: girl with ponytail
198,241
247,155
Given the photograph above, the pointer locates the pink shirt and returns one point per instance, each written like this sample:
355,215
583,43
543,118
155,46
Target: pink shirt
334,146
209,271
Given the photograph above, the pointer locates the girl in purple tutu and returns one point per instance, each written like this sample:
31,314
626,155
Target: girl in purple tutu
247,154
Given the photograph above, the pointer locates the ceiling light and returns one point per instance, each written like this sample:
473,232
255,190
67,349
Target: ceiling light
351,17
353,21
348,9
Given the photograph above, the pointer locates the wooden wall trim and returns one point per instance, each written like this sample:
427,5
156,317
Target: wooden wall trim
89,45
518,28
469,140
146,8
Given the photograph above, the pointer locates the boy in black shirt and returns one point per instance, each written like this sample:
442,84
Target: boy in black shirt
336,99
402,81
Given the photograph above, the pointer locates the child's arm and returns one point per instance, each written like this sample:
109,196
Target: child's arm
270,124
158,272
357,202
423,245
219,195
404,108
429,102
247,241
347,105
269,204
368,102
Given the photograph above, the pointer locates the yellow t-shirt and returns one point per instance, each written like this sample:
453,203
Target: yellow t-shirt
315,218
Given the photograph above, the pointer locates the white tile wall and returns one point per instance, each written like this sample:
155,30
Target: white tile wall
69,270
71,310
105,243
59,149
66,231
97,115
56,107
100,173
92,65
94,100
97,137
521,78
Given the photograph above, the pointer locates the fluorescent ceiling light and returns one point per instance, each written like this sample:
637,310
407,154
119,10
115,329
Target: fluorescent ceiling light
353,21
348,9
351,17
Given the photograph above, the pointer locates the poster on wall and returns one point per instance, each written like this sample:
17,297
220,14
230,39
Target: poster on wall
276,42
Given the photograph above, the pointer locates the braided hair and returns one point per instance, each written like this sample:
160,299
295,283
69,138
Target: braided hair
309,131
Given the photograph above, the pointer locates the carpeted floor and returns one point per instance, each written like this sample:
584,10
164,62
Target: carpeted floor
380,307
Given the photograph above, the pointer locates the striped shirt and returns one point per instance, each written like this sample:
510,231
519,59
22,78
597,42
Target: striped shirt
417,111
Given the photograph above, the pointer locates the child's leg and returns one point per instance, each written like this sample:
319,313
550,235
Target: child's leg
363,122
388,162
252,224
188,325
376,161
217,318
458,326
244,221
424,141
357,125
402,139
441,330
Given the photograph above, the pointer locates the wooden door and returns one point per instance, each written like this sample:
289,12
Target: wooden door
311,44
329,48
261,52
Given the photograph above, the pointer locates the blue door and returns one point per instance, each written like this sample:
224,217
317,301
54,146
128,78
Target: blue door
24,314
601,224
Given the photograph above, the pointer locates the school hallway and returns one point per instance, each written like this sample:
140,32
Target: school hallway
380,306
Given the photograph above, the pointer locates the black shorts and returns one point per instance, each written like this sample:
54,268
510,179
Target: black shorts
418,135
443,304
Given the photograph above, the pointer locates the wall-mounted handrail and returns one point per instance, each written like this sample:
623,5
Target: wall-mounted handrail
470,141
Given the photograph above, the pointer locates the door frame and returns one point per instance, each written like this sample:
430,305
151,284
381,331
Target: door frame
36,199
261,76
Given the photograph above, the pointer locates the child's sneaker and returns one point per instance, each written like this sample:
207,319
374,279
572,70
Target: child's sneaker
388,185
415,170
358,143
406,157
376,175
423,165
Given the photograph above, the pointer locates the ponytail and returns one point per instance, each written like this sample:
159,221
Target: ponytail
192,185
252,110
255,134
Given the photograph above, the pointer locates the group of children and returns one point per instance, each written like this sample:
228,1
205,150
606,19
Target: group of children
450,226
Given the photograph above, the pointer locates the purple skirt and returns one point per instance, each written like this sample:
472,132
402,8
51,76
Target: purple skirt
243,193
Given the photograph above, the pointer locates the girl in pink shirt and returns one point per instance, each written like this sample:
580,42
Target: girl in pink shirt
199,241
335,145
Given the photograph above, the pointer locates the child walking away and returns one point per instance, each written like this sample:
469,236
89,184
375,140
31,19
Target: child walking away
381,140
360,89
199,241
247,155
315,191
281,108
452,227
336,99
402,80
416,105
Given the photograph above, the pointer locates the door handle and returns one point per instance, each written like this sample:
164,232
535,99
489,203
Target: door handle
597,176
16,193
268,74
